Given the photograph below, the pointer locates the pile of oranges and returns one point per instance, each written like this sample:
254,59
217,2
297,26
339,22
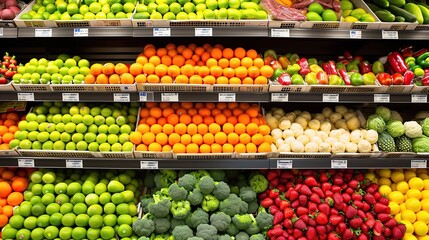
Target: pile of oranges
13,182
202,128
8,127
205,64
110,73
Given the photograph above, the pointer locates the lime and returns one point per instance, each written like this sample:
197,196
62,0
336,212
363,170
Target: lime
53,208
117,198
93,233
110,220
100,188
78,233
107,232
60,188
81,220
312,16
124,219
95,210
346,5
132,188
48,198
37,234
43,221
55,219
78,198
128,196
316,7
30,222
329,15
35,199
80,208
37,189
23,234
51,232
95,221
125,230
16,221
104,198
66,233
66,208
109,208
122,208
25,209
62,198
132,209
38,209
115,187
68,219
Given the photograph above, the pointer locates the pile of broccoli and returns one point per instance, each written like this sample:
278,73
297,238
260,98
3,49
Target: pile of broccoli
203,205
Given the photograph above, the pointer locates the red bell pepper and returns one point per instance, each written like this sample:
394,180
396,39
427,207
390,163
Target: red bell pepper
384,79
304,67
397,62
364,67
284,79
397,79
332,68
325,67
322,77
408,77
419,52
348,55
406,51
344,76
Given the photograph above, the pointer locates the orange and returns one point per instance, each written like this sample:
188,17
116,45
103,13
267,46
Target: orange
203,71
121,68
209,80
127,78
222,80
197,119
233,138
216,111
155,60
13,129
216,148
148,68
195,79
216,71
148,138
89,79
247,62
253,111
136,138
195,58
252,53
240,128
180,48
109,68
266,71
253,72
186,139
155,112
199,51
96,69
187,70
261,80
161,70
216,53
214,128
202,129
208,120
173,139
268,139
192,129
234,80
228,128
234,62
239,52
173,71
7,137
192,148
143,128
166,60
229,72
264,147
141,78
161,52
251,148
168,128
211,62
208,138
170,46
15,198
258,139
223,63
5,189
172,52
264,130
136,69
3,220
245,138
247,80
156,128
205,56
114,79
142,60
149,52
228,53
181,79
221,138
178,60
180,128
227,148
241,72
185,118
220,119
154,147
252,129
187,53
179,148
205,148
197,139
8,210
204,112
151,121
258,62
166,148
240,148
244,118
102,79
152,78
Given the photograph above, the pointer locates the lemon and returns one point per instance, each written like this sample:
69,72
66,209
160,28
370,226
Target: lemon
423,216
396,197
370,176
420,228
414,193
398,217
425,194
352,19
425,204
426,183
413,204
384,173
384,181
416,183
397,176
394,208
402,187
409,237
423,237
403,207
385,190
409,174
409,226
408,215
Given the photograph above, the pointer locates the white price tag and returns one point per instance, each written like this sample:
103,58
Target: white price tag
284,164
46,32
331,98
226,97
25,162
338,163
203,32
143,96
81,32
26,97
149,164
74,164
279,97
419,98
161,32
1,32
169,97
381,98
70,97
121,97
389,34
280,33
354,34
419,163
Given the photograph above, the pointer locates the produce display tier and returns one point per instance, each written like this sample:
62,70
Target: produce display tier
216,97
215,32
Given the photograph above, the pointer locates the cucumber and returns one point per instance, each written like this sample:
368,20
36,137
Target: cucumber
381,3
399,19
425,13
373,7
385,16
415,10
398,3
409,17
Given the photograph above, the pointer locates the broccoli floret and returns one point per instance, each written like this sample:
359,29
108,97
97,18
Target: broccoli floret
195,238
164,178
144,227
235,190
160,207
220,221
233,205
242,221
217,175
242,236
232,230
259,183
253,227
149,179
264,219
162,225
199,174
180,209
247,194
225,237
253,206
210,203
177,193
176,222
188,182
221,190
207,232
198,217
206,185
195,197
257,237
182,232
145,201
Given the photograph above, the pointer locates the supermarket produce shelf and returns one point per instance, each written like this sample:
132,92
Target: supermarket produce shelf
8,32
195,32
75,32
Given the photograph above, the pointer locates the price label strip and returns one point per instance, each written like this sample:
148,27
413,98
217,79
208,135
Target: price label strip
1,32
121,97
46,32
162,32
419,98
26,97
81,32
226,97
284,164
169,97
149,164
143,96
74,164
331,98
279,97
354,34
26,163
282,33
389,34
339,164
70,97
419,163
203,32
381,98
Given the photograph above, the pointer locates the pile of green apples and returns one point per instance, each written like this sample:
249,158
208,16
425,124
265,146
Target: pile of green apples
63,70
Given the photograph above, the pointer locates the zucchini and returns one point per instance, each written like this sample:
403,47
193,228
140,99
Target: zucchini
385,16
373,7
409,17
398,3
381,3
425,13
399,19
415,10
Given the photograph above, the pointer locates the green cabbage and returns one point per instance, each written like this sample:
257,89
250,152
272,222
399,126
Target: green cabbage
425,126
383,112
421,144
395,128
376,123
